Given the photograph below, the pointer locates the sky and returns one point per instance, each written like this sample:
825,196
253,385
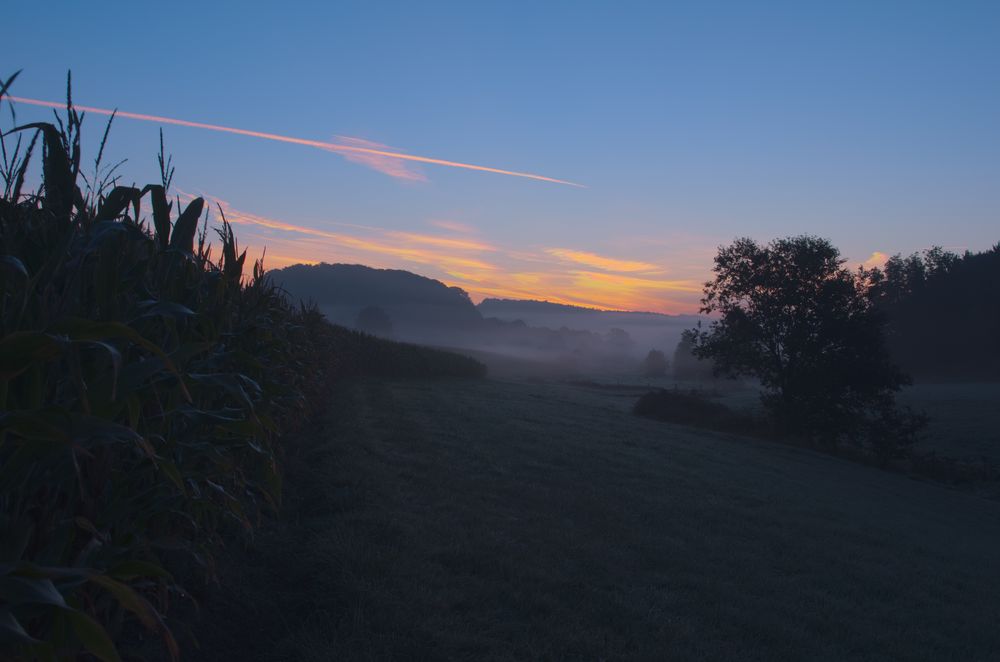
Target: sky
684,125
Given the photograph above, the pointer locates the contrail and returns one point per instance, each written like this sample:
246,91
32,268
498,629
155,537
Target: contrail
333,147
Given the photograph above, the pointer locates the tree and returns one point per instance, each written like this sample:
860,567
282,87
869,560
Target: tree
791,315
619,340
374,320
687,366
655,364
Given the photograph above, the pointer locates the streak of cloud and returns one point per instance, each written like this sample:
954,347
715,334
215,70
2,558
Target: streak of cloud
601,262
444,242
616,282
454,226
332,147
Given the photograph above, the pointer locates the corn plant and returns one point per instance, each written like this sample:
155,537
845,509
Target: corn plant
143,386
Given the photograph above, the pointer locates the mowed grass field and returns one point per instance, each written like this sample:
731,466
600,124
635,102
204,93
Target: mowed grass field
506,520
964,418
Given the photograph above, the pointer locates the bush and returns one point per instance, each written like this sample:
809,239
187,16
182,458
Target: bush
692,408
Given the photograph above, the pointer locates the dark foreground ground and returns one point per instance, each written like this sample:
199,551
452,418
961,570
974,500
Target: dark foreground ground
490,520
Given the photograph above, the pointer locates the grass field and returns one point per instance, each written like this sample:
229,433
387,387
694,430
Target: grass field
495,520
964,418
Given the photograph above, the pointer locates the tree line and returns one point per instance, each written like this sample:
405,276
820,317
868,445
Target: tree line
942,311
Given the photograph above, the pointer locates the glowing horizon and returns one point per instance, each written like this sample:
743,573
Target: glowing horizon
353,153
482,268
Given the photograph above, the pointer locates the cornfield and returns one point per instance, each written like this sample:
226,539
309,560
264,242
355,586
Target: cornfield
143,386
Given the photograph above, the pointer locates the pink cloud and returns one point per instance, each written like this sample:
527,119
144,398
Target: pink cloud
387,165
454,226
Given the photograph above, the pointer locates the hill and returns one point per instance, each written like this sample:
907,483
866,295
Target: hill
421,309
646,330
357,284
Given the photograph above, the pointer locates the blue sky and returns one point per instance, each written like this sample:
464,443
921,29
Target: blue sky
876,124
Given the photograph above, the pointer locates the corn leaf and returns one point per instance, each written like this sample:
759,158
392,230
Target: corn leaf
93,636
18,590
186,226
57,171
161,214
11,631
117,202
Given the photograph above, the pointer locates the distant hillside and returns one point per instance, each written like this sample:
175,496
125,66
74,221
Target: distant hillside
647,330
421,309
533,306
424,310
525,308
356,284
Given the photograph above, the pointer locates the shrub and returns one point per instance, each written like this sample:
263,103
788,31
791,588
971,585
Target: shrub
691,408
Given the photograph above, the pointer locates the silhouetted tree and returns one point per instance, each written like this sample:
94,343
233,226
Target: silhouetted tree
655,364
791,315
374,320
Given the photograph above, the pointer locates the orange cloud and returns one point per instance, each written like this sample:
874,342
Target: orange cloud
618,282
599,261
444,242
314,244
876,259
333,147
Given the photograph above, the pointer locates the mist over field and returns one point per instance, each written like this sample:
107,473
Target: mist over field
422,310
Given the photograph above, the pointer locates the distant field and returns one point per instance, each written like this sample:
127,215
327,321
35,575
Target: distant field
502,520
964,418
